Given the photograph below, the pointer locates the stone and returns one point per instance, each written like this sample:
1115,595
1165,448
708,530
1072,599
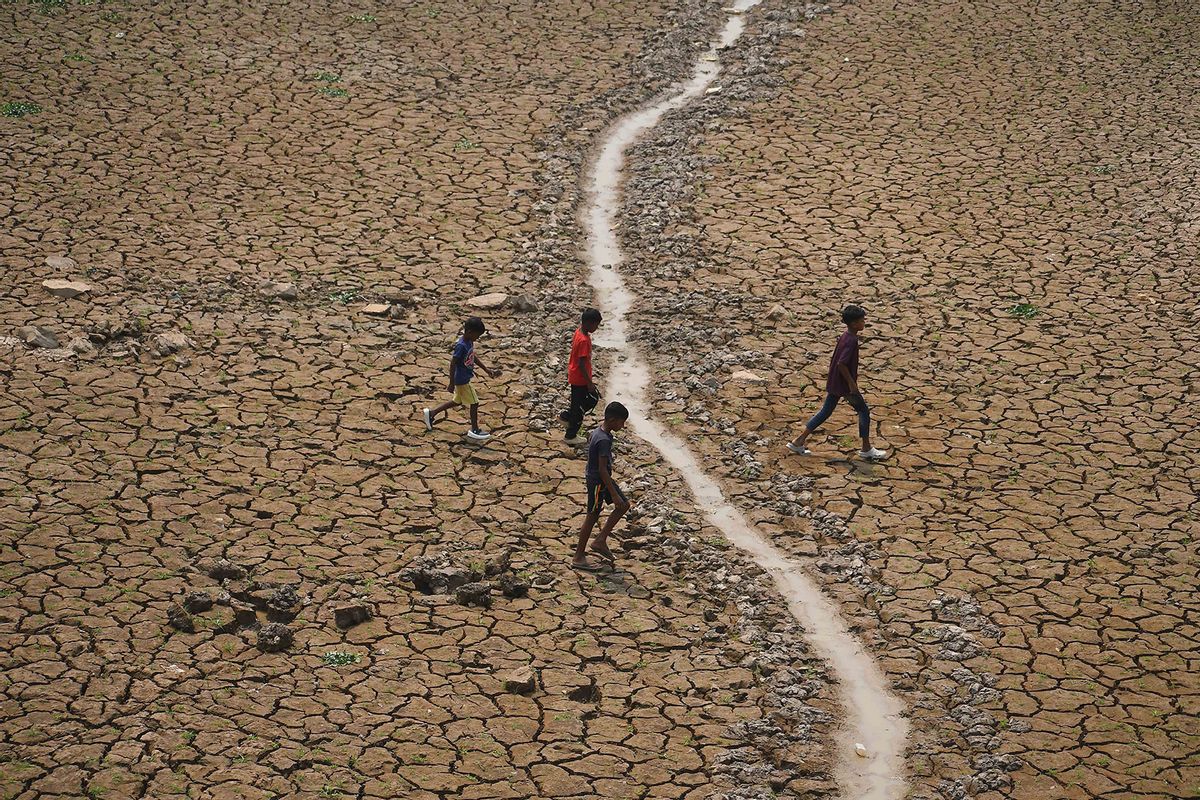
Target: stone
351,614
488,302
66,289
778,313
524,303
522,680
80,346
164,344
474,594
860,750
745,376
377,309
179,619
198,602
61,263
37,336
279,291
274,638
511,586
221,569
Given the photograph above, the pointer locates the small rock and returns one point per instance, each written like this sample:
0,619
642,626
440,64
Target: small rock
37,336
170,342
777,313
197,602
66,289
80,346
522,680
524,303
512,587
280,291
220,569
179,619
745,376
351,614
488,301
274,637
377,309
860,750
61,263
474,594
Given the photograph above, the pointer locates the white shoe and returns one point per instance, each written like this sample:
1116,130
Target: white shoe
576,442
428,420
479,435
799,450
874,454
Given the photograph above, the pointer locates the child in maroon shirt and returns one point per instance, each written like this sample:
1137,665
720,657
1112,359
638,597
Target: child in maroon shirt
584,394
843,382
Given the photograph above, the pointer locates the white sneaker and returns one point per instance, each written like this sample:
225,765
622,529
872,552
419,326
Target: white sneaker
874,454
799,450
479,435
428,420
576,442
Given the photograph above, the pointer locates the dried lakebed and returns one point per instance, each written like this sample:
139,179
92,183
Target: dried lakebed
873,715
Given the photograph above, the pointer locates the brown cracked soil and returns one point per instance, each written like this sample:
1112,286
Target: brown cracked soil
1024,566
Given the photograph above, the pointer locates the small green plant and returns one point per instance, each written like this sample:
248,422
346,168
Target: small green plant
463,144
340,658
75,57
1024,311
329,790
46,6
324,77
333,91
362,17
344,296
19,108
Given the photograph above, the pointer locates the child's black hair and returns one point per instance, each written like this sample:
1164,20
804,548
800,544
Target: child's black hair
851,313
615,410
590,315
473,324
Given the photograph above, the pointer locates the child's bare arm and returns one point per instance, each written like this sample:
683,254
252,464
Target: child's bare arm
454,364
850,382
607,479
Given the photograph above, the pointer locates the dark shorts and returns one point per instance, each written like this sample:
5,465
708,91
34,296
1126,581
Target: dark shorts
597,496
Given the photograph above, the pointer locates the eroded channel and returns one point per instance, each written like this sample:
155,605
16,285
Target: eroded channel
873,717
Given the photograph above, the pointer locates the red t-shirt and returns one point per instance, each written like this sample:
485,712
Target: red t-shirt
581,347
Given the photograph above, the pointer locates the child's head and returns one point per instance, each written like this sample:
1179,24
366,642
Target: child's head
854,317
473,329
615,416
590,320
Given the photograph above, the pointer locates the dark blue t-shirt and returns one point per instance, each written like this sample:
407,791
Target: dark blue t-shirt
464,357
599,446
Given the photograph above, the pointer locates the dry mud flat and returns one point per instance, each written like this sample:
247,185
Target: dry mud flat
1009,188
218,472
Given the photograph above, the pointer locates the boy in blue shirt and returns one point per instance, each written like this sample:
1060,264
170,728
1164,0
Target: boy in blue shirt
462,368
601,488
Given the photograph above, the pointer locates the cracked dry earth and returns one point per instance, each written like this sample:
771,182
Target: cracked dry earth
1010,190
210,478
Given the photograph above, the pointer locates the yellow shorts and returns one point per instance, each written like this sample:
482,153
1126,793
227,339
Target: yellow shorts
464,394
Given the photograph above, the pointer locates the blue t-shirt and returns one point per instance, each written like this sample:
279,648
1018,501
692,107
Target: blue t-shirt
464,358
599,446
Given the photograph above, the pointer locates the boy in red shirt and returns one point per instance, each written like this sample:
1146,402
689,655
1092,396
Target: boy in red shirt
584,394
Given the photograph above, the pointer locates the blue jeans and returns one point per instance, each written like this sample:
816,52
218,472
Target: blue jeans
856,402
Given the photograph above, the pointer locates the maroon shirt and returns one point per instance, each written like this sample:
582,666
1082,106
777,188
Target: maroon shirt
845,354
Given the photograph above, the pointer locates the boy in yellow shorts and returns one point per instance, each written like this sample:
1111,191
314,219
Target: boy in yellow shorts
462,368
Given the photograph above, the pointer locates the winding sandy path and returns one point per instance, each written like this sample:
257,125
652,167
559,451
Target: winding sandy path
873,715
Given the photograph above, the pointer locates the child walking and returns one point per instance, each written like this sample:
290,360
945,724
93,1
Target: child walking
463,363
584,394
601,488
843,382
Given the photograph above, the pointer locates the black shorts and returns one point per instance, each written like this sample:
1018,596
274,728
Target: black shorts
597,496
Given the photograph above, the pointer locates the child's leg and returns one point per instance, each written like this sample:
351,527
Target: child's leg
818,419
620,506
475,416
444,407
575,411
857,402
589,522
